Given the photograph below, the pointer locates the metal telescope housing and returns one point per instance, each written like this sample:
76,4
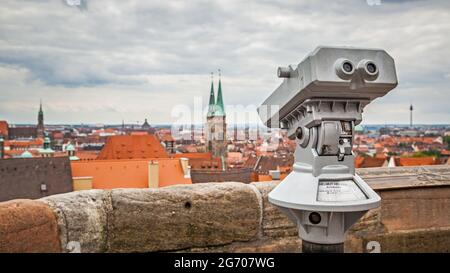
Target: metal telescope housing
319,102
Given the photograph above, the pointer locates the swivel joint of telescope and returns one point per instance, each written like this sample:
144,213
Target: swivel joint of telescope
319,103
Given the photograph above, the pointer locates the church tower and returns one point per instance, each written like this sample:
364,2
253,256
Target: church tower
40,126
216,140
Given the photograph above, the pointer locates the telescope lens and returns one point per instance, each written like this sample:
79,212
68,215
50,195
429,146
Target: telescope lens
348,67
314,218
371,67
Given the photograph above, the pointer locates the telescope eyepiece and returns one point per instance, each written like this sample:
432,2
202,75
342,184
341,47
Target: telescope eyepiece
284,72
344,68
347,66
371,67
368,69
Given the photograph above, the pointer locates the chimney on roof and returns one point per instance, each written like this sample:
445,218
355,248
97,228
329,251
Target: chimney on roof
153,174
275,174
2,147
82,183
185,166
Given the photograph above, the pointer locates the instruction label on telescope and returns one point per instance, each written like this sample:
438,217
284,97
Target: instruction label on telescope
339,191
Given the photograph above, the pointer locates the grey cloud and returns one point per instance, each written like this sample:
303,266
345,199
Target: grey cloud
148,46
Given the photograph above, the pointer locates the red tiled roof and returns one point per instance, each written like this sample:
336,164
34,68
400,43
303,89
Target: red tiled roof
202,164
139,133
188,148
166,138
415,161
58,135
358,161
193,155
86,155
263,164
132,147
201,161
369,162
381,155
24,143
235,155
427,140
129,173
3,128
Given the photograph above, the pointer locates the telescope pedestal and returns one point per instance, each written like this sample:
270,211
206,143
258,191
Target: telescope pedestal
308,247
319,103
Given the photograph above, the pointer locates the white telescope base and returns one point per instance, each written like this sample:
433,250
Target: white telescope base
323,207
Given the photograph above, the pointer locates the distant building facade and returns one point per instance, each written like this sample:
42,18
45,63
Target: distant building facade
33,178
268,168
243,175
22,132
146,125
27,132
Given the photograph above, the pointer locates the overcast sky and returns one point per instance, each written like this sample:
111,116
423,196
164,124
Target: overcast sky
109,61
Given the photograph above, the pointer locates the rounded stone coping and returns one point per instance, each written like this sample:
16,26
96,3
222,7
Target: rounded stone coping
163,219
28,226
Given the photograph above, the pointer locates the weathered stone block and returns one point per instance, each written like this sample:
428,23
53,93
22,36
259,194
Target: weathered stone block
183,216
415,208
274,222
28,226
82,219
413,241
290,244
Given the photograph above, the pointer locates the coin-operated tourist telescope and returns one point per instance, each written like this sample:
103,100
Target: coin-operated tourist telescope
319,103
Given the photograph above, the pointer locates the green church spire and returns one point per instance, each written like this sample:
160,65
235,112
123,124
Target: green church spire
211,107
220,109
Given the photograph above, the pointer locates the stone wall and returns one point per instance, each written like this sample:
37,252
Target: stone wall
234,175
224,217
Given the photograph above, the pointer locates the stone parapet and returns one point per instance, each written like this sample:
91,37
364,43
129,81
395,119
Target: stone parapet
224,217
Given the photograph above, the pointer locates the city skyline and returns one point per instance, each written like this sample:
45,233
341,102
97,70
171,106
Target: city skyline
127,60
201,124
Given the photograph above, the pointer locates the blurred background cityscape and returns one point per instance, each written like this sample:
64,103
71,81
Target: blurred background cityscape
43,159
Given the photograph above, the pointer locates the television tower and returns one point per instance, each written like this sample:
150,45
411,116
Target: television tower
410,116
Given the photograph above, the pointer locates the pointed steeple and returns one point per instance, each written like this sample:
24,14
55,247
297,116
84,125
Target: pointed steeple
212,101
220,109
40,125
